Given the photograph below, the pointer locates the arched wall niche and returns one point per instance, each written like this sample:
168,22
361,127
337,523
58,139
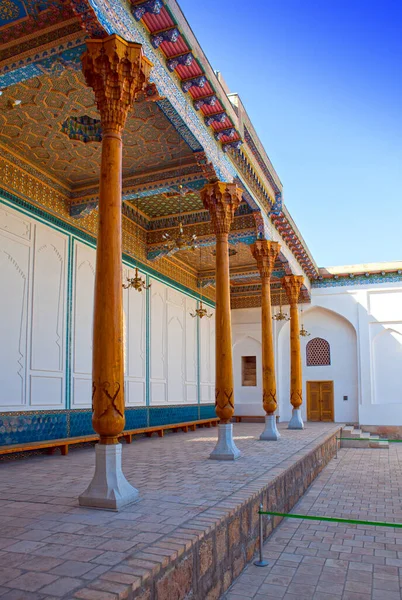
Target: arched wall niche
341,335
248,399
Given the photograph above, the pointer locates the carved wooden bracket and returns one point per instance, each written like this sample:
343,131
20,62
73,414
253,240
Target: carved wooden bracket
117,71
265,253
221,200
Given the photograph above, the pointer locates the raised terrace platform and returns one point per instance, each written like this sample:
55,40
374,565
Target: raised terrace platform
192,532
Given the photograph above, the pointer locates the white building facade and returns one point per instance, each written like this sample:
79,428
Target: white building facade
355,342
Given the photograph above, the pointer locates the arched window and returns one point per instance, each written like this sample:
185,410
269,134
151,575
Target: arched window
318,353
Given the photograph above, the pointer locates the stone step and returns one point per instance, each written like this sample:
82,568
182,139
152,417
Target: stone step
378,444
361,439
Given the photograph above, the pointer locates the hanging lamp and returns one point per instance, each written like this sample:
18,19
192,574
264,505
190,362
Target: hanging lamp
201,311
137,282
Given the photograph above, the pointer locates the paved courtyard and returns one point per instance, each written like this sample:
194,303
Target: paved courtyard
323,561
51,548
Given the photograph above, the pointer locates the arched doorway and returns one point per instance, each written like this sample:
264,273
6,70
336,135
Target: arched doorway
332,364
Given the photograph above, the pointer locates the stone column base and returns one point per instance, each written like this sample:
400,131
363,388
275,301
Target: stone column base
296,422
270,432
109,489
225,448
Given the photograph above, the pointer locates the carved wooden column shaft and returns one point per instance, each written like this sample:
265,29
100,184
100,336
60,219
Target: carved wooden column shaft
116,70
222,199
292,285
265,253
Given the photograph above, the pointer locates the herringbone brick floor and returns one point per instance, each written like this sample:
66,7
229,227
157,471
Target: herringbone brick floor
310,560
50,548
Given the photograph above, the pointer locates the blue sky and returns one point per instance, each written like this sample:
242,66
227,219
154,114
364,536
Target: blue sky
322,83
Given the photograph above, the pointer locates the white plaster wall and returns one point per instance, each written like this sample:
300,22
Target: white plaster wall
33,315
376,313
82,324
173,349
341,337
207,358
33,267
363,324
134,312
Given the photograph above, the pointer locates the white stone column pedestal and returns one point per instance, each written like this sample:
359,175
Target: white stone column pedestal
225,448
296,422
270,432
109,489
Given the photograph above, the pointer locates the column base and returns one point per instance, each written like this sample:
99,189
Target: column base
109,489
296,422
270,432
225,448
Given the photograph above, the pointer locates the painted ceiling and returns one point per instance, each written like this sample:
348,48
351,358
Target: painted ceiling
33,129
242,257
19,18
160,205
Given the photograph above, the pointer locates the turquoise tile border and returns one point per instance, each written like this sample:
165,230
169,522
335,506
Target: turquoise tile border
19,428
207,411
161,415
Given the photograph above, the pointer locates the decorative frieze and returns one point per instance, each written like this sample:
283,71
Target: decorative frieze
168,35
151,6
185,59
199,81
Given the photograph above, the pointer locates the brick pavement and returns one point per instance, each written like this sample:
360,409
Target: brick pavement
51,548
310,560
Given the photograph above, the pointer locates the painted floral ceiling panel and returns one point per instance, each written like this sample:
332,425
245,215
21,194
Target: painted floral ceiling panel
32,115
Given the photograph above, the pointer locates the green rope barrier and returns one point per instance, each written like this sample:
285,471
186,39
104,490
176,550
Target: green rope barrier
330,519
370,440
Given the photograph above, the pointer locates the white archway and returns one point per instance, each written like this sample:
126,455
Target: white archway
341,336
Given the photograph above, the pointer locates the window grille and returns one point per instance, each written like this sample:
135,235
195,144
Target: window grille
318,353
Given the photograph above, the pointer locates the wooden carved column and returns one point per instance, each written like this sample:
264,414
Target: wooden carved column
116,71
265,253
221,200
292,285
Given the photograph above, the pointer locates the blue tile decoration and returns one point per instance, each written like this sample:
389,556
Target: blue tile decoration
351,279
136,418
20,429
164,415
80,423
207,411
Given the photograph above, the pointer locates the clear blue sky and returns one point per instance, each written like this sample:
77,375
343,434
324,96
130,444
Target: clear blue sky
322,83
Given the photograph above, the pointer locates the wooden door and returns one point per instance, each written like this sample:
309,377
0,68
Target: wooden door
320,400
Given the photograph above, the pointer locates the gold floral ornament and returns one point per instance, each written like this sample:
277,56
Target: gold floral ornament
8,10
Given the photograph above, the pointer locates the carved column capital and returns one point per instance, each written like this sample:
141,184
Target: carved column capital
117,71
265,253
292,286
221,200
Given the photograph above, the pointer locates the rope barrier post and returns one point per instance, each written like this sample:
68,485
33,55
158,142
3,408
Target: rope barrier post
336,447
261,562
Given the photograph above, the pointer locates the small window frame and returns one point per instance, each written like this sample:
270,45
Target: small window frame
249,371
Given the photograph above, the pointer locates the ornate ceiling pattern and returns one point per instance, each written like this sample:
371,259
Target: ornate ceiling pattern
33,129
162,148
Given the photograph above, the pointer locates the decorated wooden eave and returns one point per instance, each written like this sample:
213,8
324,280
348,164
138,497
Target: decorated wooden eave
287,231
166,36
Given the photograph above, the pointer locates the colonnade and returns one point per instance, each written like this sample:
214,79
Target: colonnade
116,71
